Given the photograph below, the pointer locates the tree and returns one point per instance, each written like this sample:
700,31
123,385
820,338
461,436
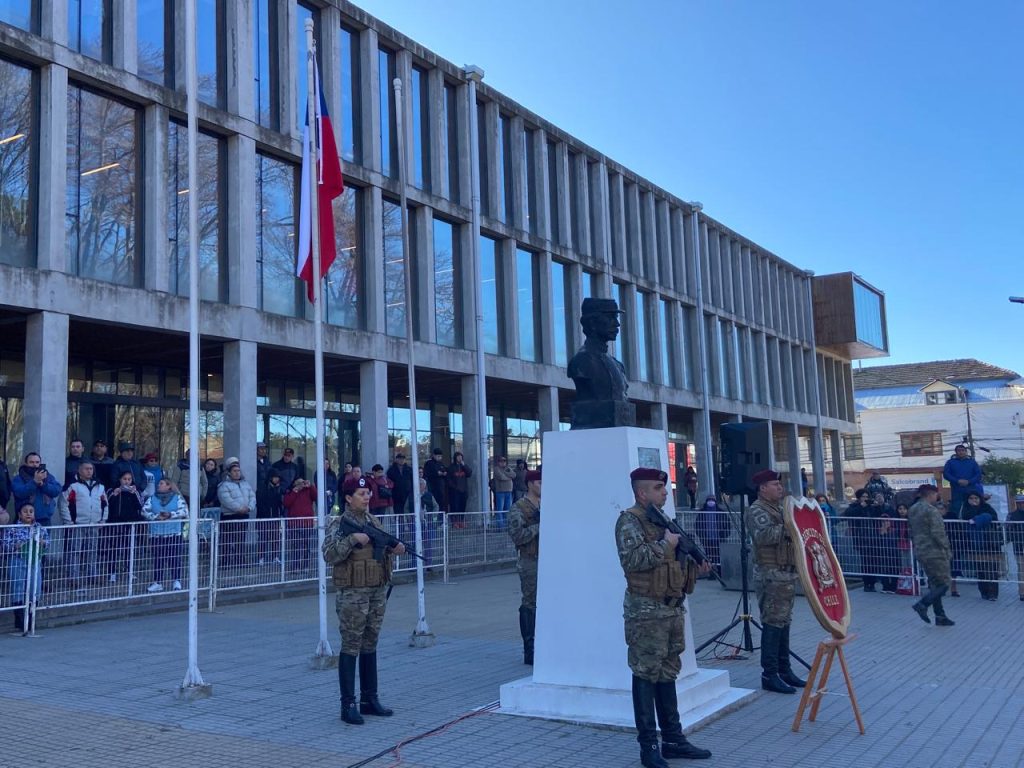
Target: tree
1001,471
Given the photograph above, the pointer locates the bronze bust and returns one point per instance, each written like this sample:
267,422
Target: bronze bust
600,379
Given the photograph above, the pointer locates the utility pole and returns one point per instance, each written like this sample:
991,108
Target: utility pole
970,432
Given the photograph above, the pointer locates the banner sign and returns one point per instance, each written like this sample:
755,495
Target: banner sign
816,562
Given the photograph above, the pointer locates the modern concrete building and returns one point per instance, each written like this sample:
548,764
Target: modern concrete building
93,265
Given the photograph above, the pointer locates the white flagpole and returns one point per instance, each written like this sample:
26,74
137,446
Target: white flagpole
324,654
422,637
193,685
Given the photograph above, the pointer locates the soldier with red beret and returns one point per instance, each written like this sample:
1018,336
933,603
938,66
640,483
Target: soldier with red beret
524,530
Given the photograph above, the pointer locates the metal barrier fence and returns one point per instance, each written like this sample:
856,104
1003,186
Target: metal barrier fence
880,550
77,565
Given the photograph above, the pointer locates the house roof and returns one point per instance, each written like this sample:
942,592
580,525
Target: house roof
921,374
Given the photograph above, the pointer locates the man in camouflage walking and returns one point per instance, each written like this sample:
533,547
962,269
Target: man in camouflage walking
654,615
524,530
361,583
931,547
774,581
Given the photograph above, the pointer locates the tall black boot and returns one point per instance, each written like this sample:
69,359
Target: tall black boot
369,704
941,619
770,680
785,666
646,726
673,743
527,622
347,681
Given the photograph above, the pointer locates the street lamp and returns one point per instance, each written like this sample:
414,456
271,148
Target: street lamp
1017,299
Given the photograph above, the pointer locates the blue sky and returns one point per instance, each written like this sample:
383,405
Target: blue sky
883,138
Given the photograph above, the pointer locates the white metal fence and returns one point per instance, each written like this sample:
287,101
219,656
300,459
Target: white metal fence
78,565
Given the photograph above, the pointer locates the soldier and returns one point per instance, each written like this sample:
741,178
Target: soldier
361,599
524,530
653,611
775,581
931,546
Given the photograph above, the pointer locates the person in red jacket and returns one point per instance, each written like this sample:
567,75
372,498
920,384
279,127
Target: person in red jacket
300,509
382,492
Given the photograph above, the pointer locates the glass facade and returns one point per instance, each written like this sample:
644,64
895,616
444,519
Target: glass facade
276,187
868,312
668,345
643,352
19,13
447,314
348,55
212,267
89,28
561,311
210,50
420,129
343,291
394,271
490,275
388,131
262,30
151,31
17,182
102,204
526,301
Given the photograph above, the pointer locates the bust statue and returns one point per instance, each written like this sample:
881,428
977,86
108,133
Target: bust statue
600,379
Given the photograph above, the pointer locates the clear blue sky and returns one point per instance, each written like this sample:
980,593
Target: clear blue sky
883,138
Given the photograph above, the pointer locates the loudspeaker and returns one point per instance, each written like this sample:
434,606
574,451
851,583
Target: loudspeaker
745,451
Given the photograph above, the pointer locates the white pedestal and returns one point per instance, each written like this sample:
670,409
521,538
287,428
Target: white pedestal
580,672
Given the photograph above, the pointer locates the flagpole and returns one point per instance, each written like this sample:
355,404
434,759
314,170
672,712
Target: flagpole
422,637
193,685
324,657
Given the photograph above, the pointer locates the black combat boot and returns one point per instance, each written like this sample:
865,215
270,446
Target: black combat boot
770,680
369,704
347,681
941,619
527,621
673,742
646,725
785,666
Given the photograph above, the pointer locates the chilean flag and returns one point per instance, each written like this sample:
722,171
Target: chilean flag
329,186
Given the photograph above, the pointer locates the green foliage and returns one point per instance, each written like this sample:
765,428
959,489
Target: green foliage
1004,471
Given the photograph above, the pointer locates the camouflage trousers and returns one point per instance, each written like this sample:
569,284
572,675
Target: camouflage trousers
776,589
937,571
528,582
360,616
655,639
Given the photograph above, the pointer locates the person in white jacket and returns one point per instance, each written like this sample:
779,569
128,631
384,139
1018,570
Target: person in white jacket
85,508
166,508
237,504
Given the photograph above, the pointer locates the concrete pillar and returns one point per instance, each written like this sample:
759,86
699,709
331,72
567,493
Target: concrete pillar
240,405
548,409
659,417
370,99
125,36
421,226
53,21
517,167
243,275
489,128
581,178
46,390
373,248
238,64
473,433
545,317
156,270
373,413
600,238
838,481
817,460
438,120
53,138
619,256
793,449
705,458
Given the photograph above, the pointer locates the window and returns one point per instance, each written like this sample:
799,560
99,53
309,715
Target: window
553,192
780,445
668,347
210,51
102,191
19,13
506,199
388,131
450,137
853,447
643,353
868,315
921,443
343,289
348,54
151,36
420,129
589,287
89,28
17,182
276,183
561,314
447,314
686,348
394,271
490,276
941,398
210,155
529,141
263,31
526,301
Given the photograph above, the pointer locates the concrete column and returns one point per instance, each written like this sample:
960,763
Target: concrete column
489,128
678,234
473,433
53,143
581,176
517,155
373,413
463,242
634,243
567,225
373,249
157,266
793,449
46,393
370,100
289,102
329,32
421,224
53,22
548,409
240,405
706,472
600,236
574,305
659,417
545,298
838,481
663,243
508,307
619,256
125,37
546,228
238,62
462,149
628,333
243,275
817,460
437,117
403,71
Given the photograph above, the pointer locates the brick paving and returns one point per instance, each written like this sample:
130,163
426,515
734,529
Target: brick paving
102,693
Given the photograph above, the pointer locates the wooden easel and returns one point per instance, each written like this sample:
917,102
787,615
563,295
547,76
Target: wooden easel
827,652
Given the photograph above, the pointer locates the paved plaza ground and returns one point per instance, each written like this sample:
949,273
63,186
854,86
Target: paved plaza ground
101,693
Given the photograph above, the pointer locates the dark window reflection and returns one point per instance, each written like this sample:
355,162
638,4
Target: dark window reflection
17,183
303,12
88,28
526,302
348,44
209,50
560,311
275,236
388,132
151,29
262,30
485,159
394,271
447,314
450,136
490,278
18,13
343,303
420,129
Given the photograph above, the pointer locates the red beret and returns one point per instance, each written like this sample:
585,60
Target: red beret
352,484
927,488
765,476
532,475
647,473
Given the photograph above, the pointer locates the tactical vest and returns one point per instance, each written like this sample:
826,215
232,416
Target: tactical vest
664,582
773,555
530,549
359,569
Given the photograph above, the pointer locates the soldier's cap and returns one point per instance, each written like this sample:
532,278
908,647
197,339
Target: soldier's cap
648,473
353,484
765,476
592,306
927,488
124,445
532,475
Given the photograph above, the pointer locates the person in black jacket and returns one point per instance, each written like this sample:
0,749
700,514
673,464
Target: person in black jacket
400,474
862,531
288,468
269,511
127,462
984,543
1015,536
124,506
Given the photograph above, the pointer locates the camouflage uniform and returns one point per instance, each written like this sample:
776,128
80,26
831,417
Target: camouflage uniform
524,530
931,547
774,571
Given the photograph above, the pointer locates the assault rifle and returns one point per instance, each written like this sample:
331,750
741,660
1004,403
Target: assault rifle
380,540
687,548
